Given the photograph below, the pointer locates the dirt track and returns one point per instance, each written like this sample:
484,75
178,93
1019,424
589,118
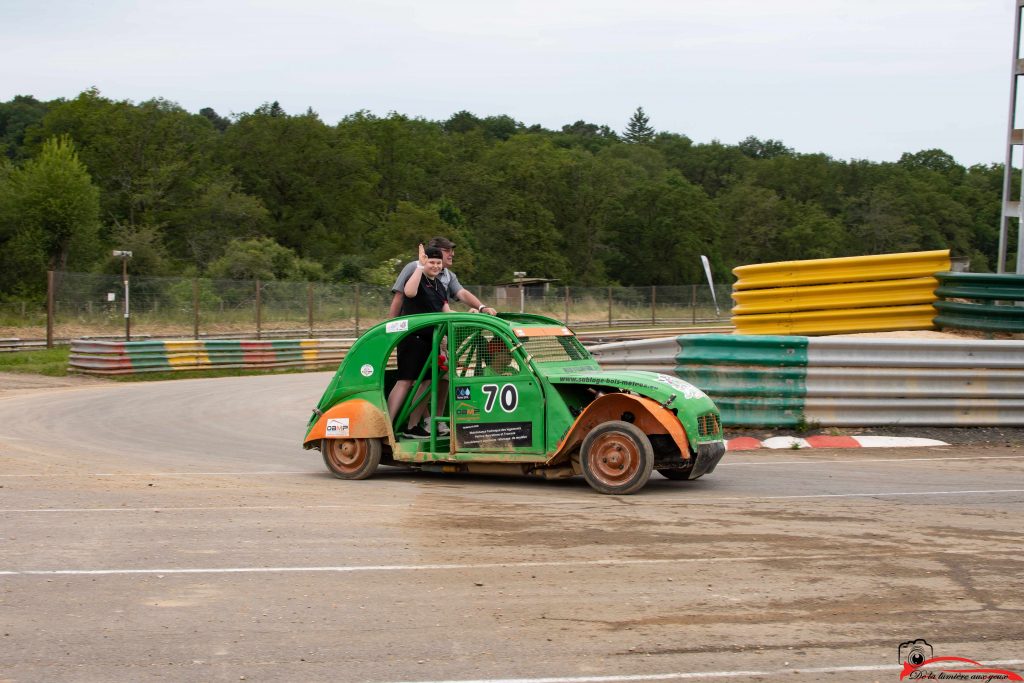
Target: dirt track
177,531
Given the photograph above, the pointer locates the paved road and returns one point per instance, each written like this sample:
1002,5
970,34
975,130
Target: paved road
177,531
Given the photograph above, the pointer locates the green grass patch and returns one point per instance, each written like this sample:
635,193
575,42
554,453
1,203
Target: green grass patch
50,362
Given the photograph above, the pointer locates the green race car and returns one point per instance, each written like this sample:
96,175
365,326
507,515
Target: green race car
513,393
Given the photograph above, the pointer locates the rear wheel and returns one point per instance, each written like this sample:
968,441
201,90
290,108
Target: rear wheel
351,458
617,458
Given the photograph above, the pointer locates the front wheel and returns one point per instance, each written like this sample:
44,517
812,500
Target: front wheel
617,458
351,458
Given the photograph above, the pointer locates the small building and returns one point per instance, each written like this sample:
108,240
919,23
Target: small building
511,294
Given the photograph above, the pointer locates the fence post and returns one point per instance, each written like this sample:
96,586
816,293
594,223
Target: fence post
567,305
357,309
259,311
654,316
309,306
195,308
49,309
609,306
693,302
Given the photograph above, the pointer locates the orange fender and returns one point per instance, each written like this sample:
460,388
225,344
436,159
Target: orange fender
355,419
648,416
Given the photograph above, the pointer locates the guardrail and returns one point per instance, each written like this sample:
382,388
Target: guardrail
792,381
838,295
124,358
981,314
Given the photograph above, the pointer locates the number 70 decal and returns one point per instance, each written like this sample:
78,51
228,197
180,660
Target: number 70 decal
508,397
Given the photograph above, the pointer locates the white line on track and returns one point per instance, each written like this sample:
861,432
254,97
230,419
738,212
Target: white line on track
724,464
1009,554
214,508
540,501
690,675
873,460
170,474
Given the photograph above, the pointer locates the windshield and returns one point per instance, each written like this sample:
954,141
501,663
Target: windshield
555,349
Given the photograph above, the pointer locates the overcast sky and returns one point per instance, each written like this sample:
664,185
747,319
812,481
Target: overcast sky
865,79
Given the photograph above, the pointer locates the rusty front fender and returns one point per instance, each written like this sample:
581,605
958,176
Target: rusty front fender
648,415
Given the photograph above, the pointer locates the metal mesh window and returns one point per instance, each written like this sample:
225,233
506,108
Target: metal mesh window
481,353
555,349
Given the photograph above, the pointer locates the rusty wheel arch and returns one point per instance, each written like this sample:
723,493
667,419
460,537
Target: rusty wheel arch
648,416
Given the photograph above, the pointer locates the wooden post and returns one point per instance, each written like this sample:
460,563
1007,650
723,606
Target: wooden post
309,306
259,310
567,304
49,309
609,306
357,309
654,315
195,308
693,303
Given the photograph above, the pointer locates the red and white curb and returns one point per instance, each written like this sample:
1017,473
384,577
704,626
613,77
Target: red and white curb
747,443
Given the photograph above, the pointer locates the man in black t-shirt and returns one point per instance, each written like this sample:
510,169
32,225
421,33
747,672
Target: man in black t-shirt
423,293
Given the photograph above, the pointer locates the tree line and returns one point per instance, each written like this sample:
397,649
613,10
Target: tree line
270,194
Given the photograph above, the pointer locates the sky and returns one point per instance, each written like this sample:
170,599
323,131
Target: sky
855,79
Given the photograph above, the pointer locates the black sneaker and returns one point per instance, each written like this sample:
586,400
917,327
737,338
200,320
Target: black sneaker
416,432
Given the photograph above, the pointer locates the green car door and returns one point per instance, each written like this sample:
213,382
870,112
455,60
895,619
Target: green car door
497,402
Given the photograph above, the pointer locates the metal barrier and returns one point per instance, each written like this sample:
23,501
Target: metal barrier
847,269
838,295
790,381
125,358
981,315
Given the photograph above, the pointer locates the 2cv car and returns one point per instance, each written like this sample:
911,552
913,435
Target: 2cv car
512,394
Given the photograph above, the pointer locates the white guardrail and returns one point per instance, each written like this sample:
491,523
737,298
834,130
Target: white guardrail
833,381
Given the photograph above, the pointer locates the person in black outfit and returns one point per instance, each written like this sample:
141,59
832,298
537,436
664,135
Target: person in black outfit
423,293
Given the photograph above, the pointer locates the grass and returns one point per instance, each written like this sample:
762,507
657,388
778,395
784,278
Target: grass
50,362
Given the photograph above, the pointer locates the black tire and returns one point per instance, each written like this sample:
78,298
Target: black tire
351,458
617,458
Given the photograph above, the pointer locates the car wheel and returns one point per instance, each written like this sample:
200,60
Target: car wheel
617,458
351,458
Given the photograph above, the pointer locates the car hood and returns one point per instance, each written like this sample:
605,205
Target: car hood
668,390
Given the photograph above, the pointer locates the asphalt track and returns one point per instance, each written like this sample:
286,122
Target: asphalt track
177,531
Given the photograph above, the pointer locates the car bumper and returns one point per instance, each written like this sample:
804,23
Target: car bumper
708,455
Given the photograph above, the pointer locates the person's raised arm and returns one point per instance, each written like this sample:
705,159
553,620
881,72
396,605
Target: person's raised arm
412,285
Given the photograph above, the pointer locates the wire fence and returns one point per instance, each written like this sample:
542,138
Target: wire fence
93,306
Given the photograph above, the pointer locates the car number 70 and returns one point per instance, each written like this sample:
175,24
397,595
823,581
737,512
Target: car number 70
508,397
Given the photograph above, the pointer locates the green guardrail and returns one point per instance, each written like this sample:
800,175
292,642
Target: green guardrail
754,379
994,302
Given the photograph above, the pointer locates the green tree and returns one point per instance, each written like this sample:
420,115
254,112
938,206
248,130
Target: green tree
49,217
638,129
660,230
16,116
763,149
263,259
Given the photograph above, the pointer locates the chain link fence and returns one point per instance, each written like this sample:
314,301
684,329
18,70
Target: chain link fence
93,306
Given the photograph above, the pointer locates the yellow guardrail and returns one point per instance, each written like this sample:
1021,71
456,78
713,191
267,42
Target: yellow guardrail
835,270
838,321
920,290
853,294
